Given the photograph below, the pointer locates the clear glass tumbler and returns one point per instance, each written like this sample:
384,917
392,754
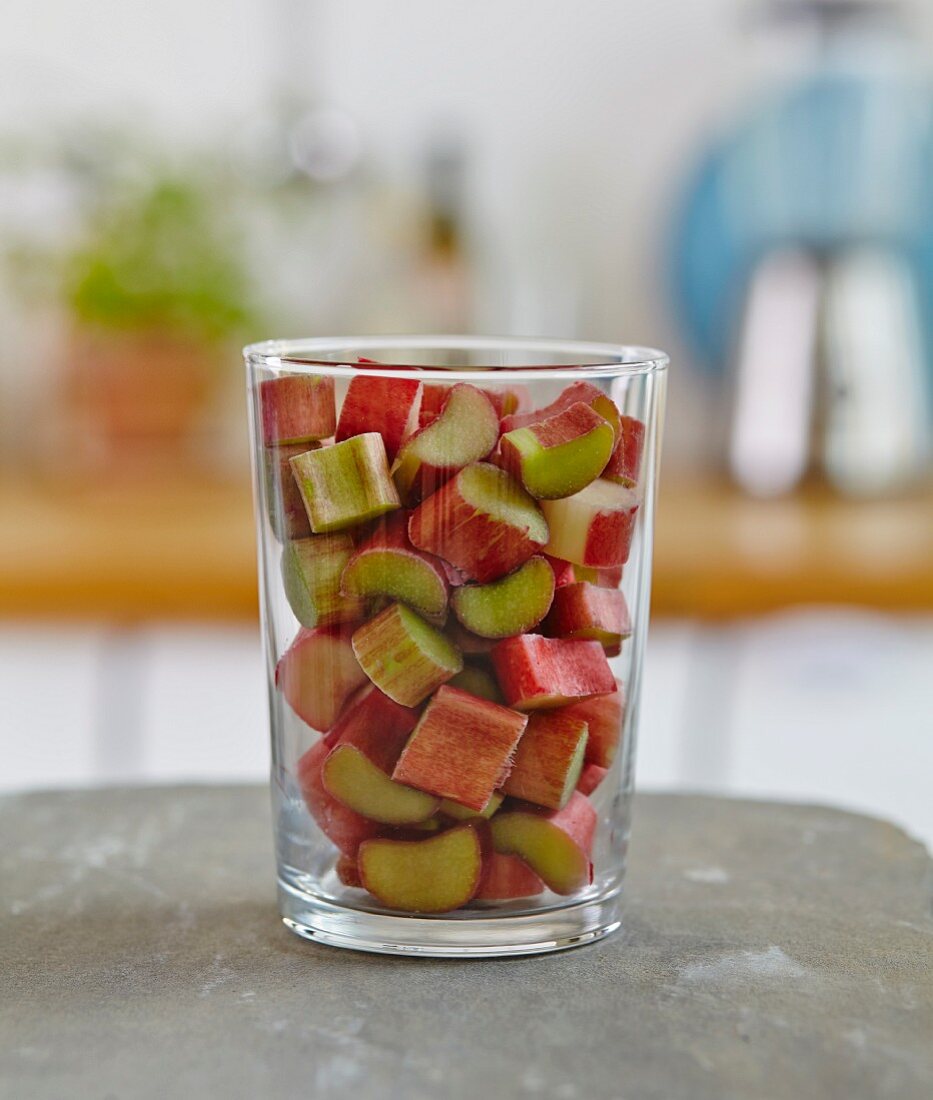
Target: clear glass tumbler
455,562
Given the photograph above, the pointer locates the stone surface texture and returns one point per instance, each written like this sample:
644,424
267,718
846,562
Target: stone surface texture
768,951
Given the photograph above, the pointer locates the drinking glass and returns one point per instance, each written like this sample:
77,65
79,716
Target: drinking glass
454,541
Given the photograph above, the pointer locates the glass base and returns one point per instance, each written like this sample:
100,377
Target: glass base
471,935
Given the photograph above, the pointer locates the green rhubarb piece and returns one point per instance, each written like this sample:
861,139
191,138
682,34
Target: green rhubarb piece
345,484
353,779
511,605
311,572
404,656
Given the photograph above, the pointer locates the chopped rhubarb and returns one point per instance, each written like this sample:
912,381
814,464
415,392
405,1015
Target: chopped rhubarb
593,527
555,844
548,760
481,521
506,878
537,673
624,465
511,605
603,715
390,406
342,826
464,431
583,610
311,572
461,749
388,565
345,484
318,673
561,455
297,408
404,656
286,509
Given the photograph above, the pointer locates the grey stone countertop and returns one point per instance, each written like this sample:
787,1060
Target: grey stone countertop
767,951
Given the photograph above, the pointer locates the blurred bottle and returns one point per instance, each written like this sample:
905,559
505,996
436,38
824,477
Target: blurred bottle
804,264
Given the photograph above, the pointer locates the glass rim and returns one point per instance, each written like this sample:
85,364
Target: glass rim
581,358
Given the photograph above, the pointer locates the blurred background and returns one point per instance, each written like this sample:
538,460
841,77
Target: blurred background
746,184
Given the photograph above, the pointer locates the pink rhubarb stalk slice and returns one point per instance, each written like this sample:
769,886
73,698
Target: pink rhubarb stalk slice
345,484
624,464
311,572
586,392
556,845
404,656
603,715
461,749
481,521
424,876
286,509
561,455
594,526
388,565
583,610
318,673
506,878
537,673
297,408
342,826
376,725
390,406
465,430
610,577
548,760
514,604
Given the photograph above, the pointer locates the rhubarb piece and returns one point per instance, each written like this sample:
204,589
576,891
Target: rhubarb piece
461,748
590,778
390,406
342,826
376,725
352,778
593,527
603,715
404,656
311,572
297,408
478,682
318,673
610,577
286,509
424,876
481,521
345,484
556,845
347,871
584,610
561,455
548,760
506,878
586,392
511,605
388,565
624,464
465,430
537,673
463,813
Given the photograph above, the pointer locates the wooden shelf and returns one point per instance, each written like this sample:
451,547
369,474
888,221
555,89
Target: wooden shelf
186,550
